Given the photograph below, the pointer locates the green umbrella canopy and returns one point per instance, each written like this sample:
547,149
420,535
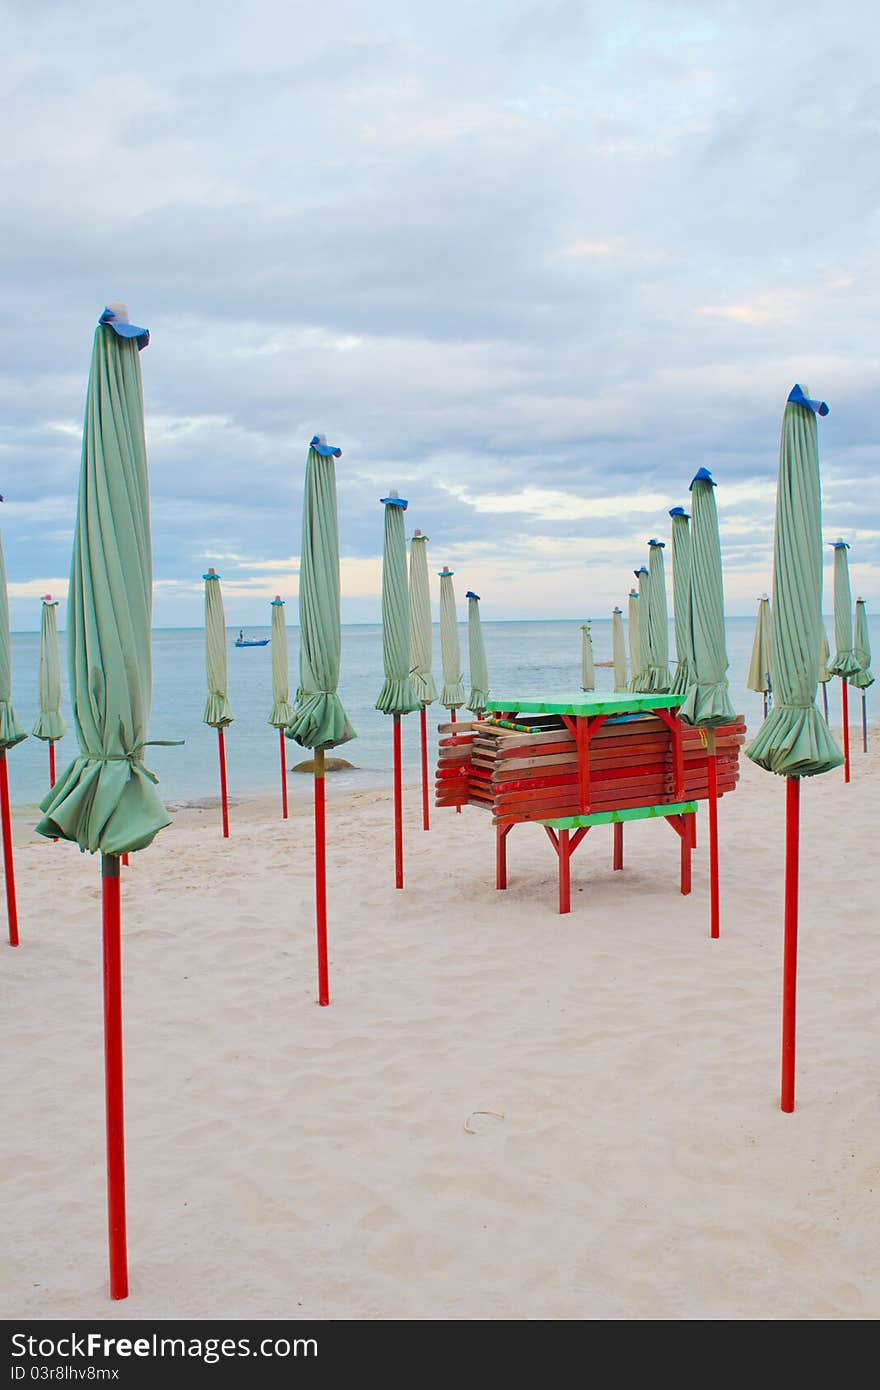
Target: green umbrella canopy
49,726
11,731
319,720
397,695
452,694
824,673
794,740
477,653
706,702
218,711
758,678
643,579
588,669
106,799
654,676
618,649
845,663
420,632
681,598
282,712
862,649
634,634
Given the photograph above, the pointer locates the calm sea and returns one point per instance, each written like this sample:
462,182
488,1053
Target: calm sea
525,658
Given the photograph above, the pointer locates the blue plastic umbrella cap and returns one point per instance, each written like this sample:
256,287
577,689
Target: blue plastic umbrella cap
661,544
633,593
212,574
702,475
470,594
643,569
446,573
797,397
679,511
277,603
839,544
392,500
318,442
115,316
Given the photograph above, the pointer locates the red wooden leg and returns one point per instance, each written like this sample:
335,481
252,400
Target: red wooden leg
51,763
686,842
501,833
789,956
714,896
617,860
564,849
113,1077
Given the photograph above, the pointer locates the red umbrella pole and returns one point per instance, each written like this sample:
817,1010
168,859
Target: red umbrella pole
113,1077
321,879
452,720
51,763
844,699
864,721
8,862
789,955
283,775
715,908
224,805
398,808
426,814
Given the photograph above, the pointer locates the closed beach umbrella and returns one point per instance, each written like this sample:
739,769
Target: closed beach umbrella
106,801
49,725
397,696
452,694
588,669
281,712
844,662
758,678
794,740
479,668
824,673
420,651
654,676
681,598
218,711
618,649
864,676
319,720
707,702
635,637
11,733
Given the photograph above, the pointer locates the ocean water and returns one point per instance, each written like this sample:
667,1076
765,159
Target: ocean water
525,658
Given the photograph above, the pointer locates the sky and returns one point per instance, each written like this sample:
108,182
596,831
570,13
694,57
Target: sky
530,263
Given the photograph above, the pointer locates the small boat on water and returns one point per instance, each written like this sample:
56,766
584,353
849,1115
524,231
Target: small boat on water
242,641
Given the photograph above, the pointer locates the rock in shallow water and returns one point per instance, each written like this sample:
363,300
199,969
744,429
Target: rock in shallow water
330,765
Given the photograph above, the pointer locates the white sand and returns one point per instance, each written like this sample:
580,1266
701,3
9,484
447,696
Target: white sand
290,1161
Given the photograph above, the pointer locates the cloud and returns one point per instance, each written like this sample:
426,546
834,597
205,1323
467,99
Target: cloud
534,264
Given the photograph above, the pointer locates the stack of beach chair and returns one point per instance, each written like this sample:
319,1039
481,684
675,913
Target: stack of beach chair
533,776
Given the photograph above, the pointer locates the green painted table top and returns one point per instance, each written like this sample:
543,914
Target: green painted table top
587,702
677,808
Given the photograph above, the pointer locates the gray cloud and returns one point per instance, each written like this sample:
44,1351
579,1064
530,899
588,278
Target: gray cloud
523,246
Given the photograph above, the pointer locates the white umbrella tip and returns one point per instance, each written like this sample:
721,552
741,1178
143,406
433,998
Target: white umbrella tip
47,598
